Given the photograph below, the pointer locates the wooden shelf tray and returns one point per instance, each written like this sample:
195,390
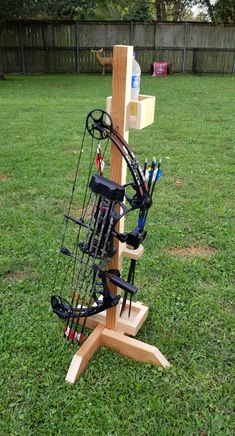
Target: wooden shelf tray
129,326
140,113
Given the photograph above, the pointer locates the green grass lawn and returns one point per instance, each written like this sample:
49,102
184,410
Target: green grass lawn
185,275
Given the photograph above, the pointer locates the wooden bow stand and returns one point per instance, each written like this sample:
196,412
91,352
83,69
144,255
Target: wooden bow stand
111,330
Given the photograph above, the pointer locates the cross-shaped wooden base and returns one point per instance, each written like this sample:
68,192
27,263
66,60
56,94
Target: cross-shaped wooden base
116,340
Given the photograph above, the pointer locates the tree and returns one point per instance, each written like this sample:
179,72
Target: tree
208,6
22,9
142,10
224,11
173,10
79,9
10,9
219,11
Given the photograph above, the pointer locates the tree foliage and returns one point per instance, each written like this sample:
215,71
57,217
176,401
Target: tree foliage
224,11
20,9
10,9
172,10
141,10
219,11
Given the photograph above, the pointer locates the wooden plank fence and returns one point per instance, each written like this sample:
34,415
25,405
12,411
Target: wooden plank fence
64,46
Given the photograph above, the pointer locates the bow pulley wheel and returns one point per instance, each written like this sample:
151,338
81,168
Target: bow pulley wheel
99,124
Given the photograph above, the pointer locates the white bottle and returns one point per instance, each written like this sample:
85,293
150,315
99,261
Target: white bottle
135,79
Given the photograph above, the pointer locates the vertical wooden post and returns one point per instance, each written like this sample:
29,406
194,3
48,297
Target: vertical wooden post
121,95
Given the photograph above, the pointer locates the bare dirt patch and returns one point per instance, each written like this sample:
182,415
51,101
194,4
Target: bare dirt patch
12,275
179,182
3,178
193,250
71,150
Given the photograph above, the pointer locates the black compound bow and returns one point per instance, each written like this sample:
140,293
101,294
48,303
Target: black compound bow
87,275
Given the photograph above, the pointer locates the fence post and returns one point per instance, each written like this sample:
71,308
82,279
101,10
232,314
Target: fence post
46,60
155,36
131,32
185,46
225,60
194,61
77,49
155,43
21,49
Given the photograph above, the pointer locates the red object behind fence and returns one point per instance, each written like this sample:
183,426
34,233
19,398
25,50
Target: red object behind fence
159,69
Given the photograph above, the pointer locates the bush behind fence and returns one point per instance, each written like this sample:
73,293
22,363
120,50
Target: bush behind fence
64,46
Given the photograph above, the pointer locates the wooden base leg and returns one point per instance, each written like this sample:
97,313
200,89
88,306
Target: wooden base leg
84,354
129,347
133,348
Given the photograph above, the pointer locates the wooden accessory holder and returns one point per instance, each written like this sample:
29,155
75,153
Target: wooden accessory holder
111,330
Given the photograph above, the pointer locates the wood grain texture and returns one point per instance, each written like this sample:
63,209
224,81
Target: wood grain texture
121,93
128,325
84,354
133,348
